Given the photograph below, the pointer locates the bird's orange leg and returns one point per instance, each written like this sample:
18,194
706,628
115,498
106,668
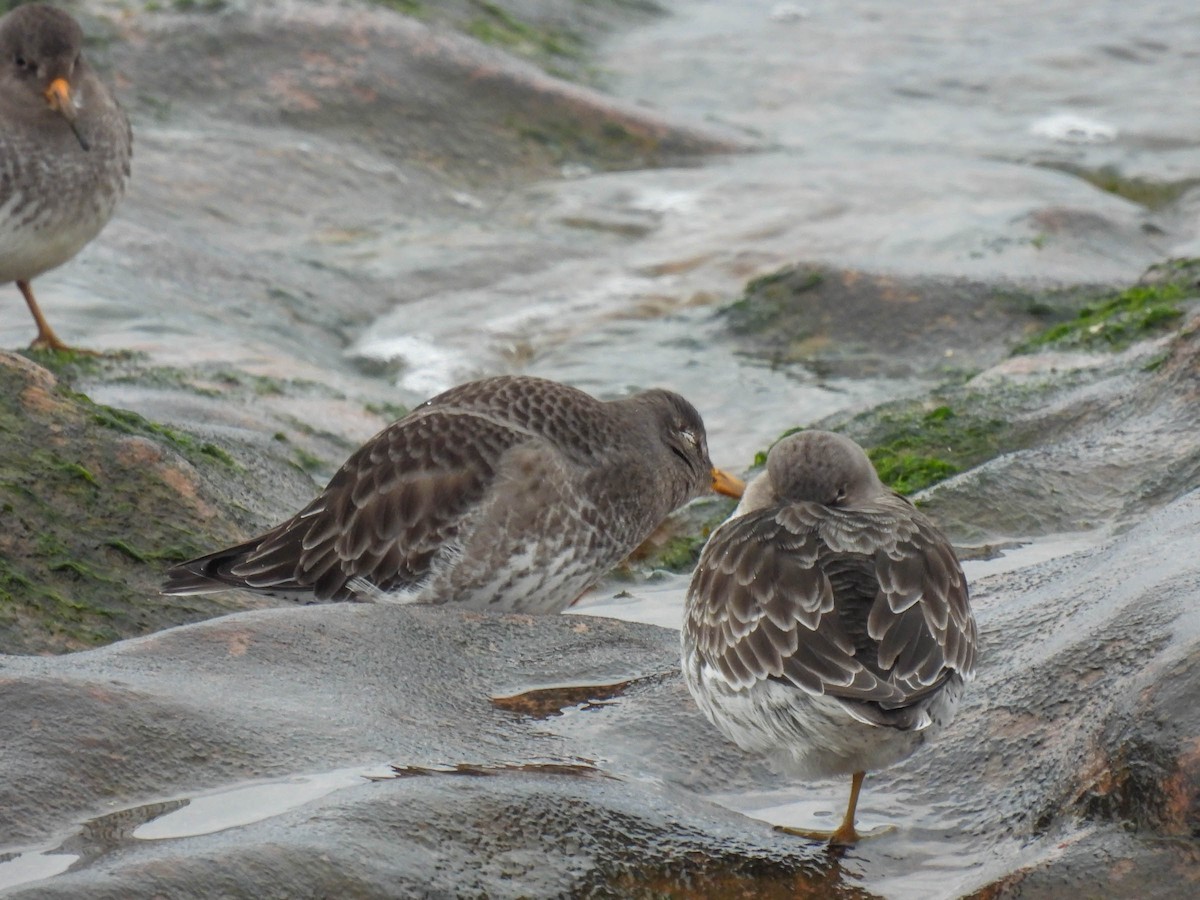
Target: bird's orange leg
46,338
845,834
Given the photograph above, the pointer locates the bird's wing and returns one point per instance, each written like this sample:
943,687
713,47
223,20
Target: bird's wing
921,616
398,501
776,591
761,607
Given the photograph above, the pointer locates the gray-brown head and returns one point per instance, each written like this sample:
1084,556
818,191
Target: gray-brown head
677,432
41,63
817,467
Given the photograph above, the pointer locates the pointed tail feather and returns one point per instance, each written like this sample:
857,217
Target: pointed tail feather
211,573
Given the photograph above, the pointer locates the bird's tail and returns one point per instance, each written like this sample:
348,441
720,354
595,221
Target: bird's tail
209,574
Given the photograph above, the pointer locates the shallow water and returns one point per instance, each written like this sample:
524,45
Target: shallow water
902,139
969,78
34,865
894,139
181,817
220,810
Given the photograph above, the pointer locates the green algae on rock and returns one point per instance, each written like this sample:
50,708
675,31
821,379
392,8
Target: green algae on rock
555,36
814,316
1150,193
1116,320
96,502
914,447
676,544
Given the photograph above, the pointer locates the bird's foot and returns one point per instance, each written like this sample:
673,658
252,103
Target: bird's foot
844,836
50,343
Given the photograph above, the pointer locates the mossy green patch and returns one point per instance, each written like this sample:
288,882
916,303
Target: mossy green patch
173,553
495,25
1119,319
909,472
92,517
679,554
72,364
128,422
307,462
390,411
914,447
1147,192
81,472
408,7
769,297
206,6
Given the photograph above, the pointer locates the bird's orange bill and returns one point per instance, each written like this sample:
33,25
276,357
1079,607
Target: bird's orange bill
59,98
729,485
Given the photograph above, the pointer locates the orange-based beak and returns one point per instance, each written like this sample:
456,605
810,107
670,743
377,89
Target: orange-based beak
729,485
59,98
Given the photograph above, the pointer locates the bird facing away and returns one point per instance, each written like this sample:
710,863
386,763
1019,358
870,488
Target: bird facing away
827,624
64,150
510,494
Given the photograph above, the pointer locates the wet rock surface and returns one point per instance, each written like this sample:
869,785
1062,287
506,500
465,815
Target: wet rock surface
96,500
1076,738
312,244
814,315
329,688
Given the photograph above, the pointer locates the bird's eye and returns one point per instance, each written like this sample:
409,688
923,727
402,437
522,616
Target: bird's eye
838,497
690,436
21,62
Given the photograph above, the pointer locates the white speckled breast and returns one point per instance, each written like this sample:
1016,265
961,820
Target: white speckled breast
55,196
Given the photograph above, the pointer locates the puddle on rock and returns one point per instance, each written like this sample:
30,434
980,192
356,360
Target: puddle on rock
33,865
1024,554
657,600
246,804
206,813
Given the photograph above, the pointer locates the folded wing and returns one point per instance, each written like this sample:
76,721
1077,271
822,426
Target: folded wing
869,607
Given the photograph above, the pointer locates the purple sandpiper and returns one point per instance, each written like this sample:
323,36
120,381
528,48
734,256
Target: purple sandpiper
64,150
827,624
510,494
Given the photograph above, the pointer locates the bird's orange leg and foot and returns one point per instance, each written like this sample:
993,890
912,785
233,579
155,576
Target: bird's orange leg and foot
46,338
846,834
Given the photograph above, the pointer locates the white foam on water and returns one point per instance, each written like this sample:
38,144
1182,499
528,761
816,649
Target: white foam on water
430,366
1069,128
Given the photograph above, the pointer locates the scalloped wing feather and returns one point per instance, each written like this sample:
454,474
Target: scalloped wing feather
397,502
761,606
